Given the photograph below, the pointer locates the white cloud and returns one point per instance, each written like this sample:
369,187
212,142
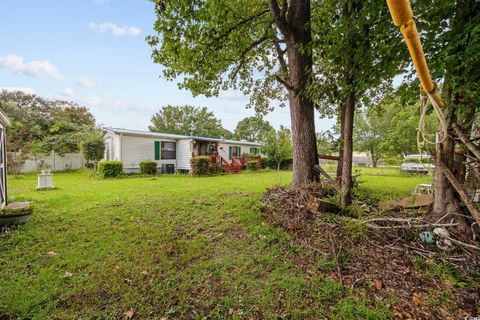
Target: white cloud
116,29
26,90
68,93
33,68
86,82
233,95
92,101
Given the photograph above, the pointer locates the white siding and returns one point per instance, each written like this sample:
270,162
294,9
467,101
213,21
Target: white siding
184,154
112,146
137,149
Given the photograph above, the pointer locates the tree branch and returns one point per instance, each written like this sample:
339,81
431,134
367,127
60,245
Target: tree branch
461,190
280,54
247,50
242,22
279,16
466,141
284,82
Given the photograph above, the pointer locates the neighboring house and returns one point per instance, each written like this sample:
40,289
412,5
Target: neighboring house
172,152
361,159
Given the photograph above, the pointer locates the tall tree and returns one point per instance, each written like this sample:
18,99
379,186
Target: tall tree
359,54
261,47
93,147
50,125
187,120
253,129
451,38
277,146
390,128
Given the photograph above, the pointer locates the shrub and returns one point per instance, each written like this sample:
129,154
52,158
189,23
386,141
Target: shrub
110,169
148,167
253,161
215,168
252,165
93,147
270,163
201,166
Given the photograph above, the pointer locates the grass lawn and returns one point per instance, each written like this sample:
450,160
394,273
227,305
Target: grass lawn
169,246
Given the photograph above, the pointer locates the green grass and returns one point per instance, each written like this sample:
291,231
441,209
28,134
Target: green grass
170,246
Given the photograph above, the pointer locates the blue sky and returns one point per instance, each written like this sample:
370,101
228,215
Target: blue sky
94,52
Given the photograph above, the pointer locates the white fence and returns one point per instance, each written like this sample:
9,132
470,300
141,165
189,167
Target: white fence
57,163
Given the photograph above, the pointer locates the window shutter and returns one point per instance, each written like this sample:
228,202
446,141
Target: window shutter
239,152
230,153
157,150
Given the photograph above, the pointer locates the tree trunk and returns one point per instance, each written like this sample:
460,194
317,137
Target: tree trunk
374,159
444,153
346,183
340,144
278,166
304,142
300,64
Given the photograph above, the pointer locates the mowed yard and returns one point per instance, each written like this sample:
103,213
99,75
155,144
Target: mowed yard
166,247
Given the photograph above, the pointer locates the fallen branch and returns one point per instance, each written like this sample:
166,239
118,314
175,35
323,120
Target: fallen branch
466,141
461,190
404,223
467,245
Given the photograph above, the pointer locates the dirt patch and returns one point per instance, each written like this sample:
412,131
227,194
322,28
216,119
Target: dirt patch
392,265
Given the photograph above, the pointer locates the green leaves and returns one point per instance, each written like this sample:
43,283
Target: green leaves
213,45
277,146
48,125
253,129
188,120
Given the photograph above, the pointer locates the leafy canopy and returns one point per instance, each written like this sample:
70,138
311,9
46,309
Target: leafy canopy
44,125
253,129
188,120
390,129
214,45
278,145
356,48
93,146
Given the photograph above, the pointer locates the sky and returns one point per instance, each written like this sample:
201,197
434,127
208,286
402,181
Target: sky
94,52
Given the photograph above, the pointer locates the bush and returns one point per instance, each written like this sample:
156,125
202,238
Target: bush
110,169
93,147
253,161
216,169
201,166
284,165
252,165
148,167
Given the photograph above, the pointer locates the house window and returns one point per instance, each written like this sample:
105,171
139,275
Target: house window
157,150
169,150
234,151
254,150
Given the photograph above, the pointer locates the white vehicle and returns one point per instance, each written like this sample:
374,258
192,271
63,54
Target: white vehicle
416,163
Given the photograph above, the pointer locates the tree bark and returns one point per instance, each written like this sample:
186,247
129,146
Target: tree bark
278,166
304,142
340,145
444,154
346,183
374,159
461,191
294,24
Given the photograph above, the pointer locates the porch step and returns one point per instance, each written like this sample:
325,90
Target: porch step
232,168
